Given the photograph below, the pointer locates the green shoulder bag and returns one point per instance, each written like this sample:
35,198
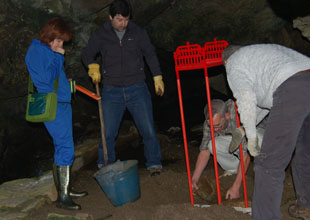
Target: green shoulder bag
41,107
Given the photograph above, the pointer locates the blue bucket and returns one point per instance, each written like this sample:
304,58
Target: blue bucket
120,181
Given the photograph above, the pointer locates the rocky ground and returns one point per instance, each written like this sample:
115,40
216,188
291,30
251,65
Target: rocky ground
162,197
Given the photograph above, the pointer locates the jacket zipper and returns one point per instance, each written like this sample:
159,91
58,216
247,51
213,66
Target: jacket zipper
121,46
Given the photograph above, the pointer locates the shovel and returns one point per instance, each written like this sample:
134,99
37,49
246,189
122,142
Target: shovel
104,143
98,98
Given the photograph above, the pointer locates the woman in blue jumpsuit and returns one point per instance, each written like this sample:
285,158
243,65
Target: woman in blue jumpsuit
45,60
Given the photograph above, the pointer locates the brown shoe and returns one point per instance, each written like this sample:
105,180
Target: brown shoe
299,212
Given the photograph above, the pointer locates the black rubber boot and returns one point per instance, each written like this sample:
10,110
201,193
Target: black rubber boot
63,188
73,194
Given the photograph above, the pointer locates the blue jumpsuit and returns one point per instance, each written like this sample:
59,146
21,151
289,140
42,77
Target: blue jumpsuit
44,66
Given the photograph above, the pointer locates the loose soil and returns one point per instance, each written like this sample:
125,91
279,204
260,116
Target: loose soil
165,196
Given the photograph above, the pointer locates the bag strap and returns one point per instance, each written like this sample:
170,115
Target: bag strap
31,86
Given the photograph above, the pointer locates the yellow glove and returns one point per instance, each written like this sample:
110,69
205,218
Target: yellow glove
94,72
159,85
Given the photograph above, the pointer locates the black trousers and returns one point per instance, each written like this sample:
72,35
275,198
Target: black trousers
287,131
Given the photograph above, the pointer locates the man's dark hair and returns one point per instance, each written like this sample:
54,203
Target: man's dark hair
121,7
218,106
229,50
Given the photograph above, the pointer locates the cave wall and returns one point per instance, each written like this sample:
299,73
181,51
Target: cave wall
170,23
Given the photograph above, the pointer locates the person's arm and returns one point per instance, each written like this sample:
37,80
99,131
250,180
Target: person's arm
206,136
92,48
44,66
201,163
203,156
148,51
89,55
246,102
242,85
234,191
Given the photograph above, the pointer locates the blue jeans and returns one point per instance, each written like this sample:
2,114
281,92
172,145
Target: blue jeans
136,98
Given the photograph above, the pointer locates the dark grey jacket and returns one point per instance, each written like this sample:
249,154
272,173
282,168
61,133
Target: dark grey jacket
122,61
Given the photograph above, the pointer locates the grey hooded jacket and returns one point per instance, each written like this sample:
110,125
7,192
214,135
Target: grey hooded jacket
254,73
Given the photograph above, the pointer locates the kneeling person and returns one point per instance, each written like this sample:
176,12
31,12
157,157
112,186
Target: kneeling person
224,123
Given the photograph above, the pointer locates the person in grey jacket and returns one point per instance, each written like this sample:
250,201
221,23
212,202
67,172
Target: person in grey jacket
273,78
122,45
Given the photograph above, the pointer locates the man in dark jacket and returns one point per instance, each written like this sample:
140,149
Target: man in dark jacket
122,45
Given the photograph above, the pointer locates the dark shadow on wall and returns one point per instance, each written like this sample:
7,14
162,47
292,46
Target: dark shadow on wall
290,9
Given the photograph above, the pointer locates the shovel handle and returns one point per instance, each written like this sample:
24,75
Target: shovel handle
104,143
87,92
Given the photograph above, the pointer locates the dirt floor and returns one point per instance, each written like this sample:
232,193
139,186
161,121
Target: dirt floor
165,196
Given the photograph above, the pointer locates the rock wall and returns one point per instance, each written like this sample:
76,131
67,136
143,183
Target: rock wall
303,24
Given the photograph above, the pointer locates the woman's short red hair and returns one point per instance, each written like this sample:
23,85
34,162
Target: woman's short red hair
55,28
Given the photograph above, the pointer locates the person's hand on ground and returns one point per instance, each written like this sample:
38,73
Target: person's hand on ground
195,184
232,193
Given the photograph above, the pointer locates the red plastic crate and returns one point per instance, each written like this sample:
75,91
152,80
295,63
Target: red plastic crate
188,57
213,52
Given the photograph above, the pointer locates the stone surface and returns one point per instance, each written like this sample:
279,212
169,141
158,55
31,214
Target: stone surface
16,192
79,216
18,197
12,216
303,24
